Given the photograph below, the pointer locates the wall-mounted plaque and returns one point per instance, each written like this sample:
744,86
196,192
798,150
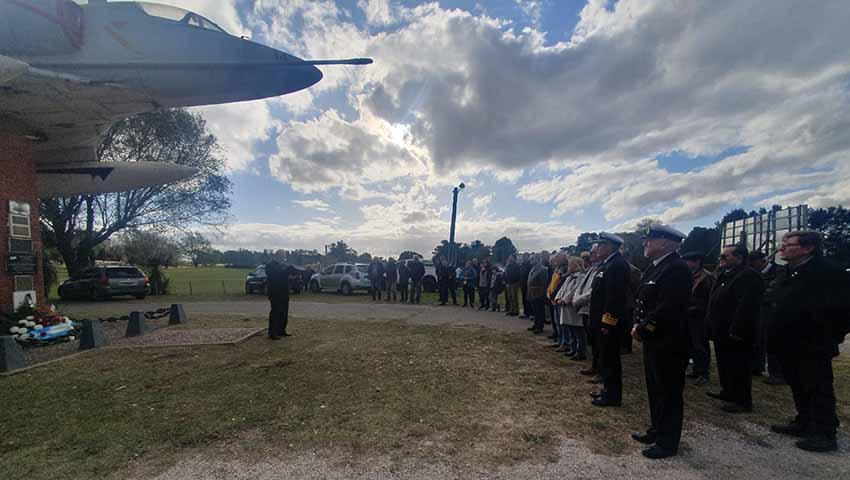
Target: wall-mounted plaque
21,264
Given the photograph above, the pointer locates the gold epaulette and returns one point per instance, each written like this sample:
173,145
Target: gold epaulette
609,319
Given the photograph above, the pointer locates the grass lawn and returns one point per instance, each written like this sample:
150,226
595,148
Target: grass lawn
220,283
447,394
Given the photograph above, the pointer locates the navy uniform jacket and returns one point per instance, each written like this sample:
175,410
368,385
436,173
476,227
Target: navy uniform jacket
734,306
663,299
810,310
277,286
608,293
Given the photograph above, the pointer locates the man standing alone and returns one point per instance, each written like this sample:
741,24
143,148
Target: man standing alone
278,292
811,317
662,325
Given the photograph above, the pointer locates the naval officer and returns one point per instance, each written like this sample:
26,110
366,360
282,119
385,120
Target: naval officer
607,310
661,315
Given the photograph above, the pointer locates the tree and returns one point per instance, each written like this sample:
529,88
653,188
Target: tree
78,224
196,247
152,251
703,240
583,242
633,249
502,249
644,224
834,224
341,252
407,255
441,250
478,250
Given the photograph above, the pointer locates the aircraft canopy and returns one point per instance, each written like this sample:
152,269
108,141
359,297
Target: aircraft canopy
169,12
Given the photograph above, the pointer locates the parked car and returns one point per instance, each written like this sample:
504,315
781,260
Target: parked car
103,282
342,277
257,280
429,281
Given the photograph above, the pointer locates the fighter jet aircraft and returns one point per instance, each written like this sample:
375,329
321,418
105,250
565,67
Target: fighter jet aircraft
69,71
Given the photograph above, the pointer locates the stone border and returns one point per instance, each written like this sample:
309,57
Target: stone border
84,352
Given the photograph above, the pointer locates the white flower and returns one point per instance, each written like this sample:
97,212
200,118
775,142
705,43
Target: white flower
31,324
14,330
30,318
22,331
39,327
53,308
71,337
23,336
22,322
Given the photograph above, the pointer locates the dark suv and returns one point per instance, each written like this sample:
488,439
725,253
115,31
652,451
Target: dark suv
103,282
256,281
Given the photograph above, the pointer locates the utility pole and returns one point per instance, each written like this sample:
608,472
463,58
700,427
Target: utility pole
452,248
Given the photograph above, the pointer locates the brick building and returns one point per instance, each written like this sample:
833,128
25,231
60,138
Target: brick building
20,238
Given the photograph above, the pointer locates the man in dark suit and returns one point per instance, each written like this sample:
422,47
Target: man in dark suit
810,318
700,350
607,309
733,311
278,292
661,315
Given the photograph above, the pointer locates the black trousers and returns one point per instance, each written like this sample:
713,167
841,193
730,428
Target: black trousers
665,382
468,295
526,305
538,307
484,297
278,317
444,290
626,326
403,289
592,341
699,349
610,367
811,382
734,370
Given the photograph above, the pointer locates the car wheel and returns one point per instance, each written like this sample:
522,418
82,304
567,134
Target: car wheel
248,290
346,289
94,295
429,285
314,287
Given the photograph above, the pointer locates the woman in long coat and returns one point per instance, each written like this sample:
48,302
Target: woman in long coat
574,342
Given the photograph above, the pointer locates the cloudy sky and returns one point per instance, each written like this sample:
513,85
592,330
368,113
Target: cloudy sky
560,116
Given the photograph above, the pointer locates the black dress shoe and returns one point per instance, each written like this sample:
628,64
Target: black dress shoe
818,443
579,357
644,437
736,408
792,429
603,402
718,395
274,337
655,452
588,371
287,334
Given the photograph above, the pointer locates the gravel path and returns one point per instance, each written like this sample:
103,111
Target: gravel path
707,453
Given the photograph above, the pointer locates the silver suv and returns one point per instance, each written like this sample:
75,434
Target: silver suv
342,277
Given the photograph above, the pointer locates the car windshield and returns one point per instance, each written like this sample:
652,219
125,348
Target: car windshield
125,273
179,15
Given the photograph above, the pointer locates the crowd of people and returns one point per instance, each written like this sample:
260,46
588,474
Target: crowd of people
788,314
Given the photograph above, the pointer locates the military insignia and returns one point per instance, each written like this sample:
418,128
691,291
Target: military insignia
650,327
609,319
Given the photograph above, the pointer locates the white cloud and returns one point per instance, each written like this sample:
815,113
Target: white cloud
481,202
315,204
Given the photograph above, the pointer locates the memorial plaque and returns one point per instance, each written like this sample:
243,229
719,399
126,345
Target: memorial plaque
20,245
21,264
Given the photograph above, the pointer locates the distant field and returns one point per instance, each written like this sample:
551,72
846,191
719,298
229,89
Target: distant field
190,281
220,283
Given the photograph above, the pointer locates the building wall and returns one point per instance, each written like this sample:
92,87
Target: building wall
18,183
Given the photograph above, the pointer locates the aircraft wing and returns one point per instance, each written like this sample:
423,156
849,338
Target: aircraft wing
65,115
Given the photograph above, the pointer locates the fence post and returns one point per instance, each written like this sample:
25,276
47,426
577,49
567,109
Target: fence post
190,288
223,288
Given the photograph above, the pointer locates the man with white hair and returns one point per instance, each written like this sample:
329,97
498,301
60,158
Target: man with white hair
661,314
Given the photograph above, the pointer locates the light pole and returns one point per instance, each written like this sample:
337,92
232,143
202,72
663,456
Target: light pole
452,249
